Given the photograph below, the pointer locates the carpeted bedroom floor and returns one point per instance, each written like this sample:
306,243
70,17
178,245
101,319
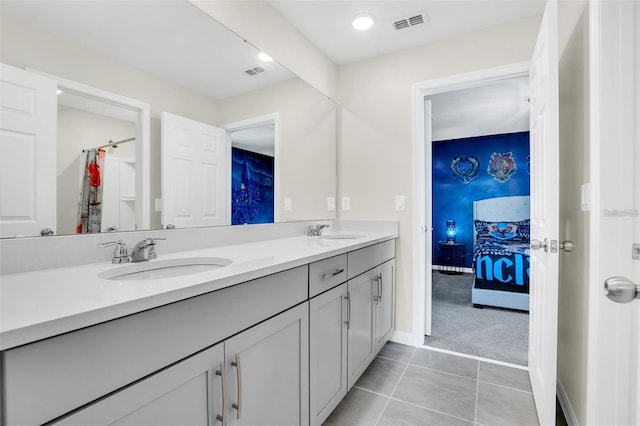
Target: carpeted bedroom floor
493,333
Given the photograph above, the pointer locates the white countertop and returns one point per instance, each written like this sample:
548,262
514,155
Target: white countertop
41,304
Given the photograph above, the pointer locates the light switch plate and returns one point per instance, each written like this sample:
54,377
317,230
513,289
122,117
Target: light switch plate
399,202
585,197
158,204
287,204
346,203
331,204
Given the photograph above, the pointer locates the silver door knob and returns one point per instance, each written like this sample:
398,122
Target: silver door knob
567,246
537,244
621,290
46,232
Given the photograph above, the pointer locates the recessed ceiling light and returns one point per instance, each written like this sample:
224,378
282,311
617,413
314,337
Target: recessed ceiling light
363,22
264,57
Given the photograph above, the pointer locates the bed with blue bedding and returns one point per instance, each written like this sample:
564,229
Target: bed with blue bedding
501,252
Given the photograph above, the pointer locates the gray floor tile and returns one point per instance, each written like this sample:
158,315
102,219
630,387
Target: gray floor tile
438,391
448,363
505,376
400,414
358,408
381,376
396,351
499,406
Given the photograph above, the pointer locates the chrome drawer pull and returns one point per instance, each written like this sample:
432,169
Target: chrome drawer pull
337,272
220,417
238,366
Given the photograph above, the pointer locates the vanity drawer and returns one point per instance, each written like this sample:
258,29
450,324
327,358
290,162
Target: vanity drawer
326,274
49,378
360,261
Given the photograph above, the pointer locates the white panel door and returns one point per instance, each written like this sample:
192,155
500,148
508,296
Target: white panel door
28,123
194,173
613,370
543,304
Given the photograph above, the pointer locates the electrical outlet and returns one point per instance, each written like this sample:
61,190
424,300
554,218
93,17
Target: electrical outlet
331,204
346,203
399,202
287,204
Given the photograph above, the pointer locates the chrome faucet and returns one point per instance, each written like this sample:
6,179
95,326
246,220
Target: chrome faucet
120,254
145,250
315,231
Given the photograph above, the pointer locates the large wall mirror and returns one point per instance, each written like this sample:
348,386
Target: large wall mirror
162,74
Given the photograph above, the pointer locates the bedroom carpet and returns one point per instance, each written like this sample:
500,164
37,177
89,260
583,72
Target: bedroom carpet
493,333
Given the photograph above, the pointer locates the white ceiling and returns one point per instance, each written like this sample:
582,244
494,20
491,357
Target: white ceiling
327,24
258,138
170,38
494,108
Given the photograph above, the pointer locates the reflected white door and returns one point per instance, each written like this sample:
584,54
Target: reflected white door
28,123
613,369
194,173
543,304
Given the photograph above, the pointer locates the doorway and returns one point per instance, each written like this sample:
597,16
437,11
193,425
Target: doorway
480,219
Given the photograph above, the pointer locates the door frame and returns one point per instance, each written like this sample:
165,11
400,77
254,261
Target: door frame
143,138
422,168
248,123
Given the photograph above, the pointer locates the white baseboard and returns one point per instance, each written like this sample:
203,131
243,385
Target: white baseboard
567,409
406,338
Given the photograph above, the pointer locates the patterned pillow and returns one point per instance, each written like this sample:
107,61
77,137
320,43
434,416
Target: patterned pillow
502,232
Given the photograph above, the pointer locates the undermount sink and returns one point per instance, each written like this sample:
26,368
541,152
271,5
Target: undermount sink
164,268
341,236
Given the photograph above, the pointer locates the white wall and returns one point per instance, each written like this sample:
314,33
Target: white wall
574,224
306,152
259,24
375,150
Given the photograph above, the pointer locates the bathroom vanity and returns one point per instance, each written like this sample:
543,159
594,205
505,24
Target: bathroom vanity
276,337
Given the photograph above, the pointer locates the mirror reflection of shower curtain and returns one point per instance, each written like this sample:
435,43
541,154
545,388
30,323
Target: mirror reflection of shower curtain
90,203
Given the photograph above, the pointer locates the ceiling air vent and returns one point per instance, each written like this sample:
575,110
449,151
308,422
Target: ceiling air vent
410,21
254,71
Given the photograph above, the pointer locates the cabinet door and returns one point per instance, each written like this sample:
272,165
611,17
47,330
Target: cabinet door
360,334
328,352
384,302
268,372
188,393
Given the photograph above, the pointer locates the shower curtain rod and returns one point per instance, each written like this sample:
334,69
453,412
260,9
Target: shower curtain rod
111,143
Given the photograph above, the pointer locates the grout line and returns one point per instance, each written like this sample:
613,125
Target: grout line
445,372
478,358
475,414
432,410
506,387
391,359
394,388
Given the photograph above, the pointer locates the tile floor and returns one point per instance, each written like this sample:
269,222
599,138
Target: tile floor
407,386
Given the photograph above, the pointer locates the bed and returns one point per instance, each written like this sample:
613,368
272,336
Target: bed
501,252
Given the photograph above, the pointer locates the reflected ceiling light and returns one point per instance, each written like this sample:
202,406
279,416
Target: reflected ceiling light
363,22
264,57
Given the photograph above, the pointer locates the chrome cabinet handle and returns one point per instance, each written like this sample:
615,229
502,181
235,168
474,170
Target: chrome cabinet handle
238,366
381,287
337,272
378,297
348,299
220,372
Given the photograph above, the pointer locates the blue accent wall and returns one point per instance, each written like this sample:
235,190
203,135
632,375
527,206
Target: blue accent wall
251,187
453,198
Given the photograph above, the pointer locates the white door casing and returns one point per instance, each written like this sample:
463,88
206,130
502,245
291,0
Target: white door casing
544,136
613,362
28,121
195,186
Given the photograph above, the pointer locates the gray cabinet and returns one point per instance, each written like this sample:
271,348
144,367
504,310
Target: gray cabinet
327,352
360,318
188,393
384,303
268,372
